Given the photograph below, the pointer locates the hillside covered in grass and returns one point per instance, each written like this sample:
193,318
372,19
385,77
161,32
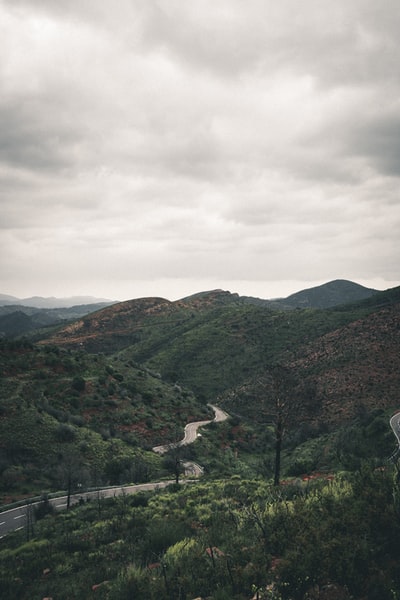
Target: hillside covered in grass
82,407
98,417
234,539
65,402
215,343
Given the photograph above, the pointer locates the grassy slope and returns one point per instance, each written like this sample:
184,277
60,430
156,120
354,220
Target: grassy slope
57,404
213,344
351,355
221,540
344,535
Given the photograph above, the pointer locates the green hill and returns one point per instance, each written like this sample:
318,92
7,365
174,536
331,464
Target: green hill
148,366
100,416
329,294
84,407
216,341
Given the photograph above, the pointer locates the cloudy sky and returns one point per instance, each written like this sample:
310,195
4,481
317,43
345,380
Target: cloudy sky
165,147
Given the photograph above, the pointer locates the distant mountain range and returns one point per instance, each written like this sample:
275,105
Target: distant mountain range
339,291
17,319
22,316
40,302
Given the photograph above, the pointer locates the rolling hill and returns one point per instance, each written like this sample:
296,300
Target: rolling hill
106,387
215,342
329,294
50,312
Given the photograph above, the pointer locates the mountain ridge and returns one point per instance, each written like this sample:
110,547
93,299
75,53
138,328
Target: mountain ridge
340,289
18,320
52,302
122,322
134,369
332,293
214,342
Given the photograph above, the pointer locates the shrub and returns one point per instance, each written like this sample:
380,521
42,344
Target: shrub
78,384
132,583
43,508
65,433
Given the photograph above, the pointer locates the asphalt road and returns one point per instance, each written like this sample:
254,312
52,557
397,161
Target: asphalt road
17,518
395,425
12,520
190,432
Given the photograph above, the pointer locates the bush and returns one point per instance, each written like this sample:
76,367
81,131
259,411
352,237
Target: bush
132,583
78,384
43,509
65,433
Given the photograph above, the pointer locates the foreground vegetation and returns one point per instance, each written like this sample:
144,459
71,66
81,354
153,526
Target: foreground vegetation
229,539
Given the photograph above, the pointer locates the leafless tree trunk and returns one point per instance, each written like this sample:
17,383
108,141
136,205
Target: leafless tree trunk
281,403
278,448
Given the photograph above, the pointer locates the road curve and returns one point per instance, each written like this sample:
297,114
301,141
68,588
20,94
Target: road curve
17,518
395,425
190,432
220,415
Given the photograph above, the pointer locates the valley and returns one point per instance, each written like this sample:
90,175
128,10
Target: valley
310,384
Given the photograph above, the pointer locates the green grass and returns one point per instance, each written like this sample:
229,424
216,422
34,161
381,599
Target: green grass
222,539
61,408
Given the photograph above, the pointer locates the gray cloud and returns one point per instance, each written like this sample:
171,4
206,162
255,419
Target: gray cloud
377,139
181,145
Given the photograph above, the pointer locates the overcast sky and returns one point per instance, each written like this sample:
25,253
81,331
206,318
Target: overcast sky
165,147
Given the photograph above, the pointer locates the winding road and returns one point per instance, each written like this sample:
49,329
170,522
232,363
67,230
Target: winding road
190,432
395,425
17,518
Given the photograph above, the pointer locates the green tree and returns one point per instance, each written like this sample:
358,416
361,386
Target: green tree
78,384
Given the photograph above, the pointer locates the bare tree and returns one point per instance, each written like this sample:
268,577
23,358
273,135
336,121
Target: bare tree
277,388
276,398
281,402
172,461
71,473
